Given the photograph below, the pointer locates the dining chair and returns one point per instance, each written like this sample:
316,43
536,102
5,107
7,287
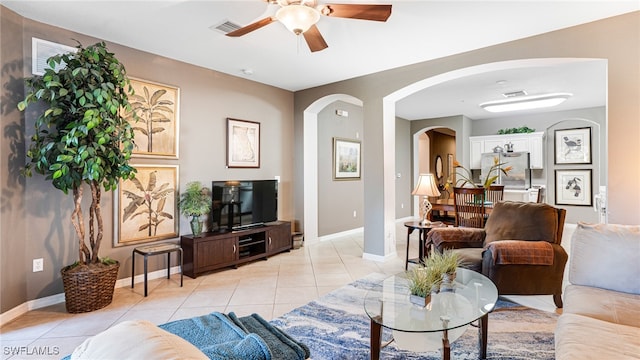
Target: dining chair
469,205
495,193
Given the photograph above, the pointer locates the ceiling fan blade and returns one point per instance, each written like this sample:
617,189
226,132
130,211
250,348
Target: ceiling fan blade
314,39
358,11
251,27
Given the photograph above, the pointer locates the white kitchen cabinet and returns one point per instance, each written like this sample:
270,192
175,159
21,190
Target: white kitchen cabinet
533,143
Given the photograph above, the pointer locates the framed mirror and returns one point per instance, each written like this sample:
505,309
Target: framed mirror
438,167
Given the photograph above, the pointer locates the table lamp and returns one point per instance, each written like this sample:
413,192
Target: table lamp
426,187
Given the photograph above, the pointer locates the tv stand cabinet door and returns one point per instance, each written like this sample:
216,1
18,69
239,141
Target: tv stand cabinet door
279,238
216,253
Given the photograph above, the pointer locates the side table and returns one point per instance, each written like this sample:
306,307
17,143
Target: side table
157,249
422,236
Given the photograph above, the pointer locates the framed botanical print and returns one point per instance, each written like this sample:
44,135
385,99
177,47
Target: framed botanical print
573,187
573,146
156,132
243,143
346,159
146,206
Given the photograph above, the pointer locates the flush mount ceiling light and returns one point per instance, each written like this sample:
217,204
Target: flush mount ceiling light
526,102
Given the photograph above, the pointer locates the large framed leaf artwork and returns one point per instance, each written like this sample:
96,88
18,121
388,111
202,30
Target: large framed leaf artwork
243,143
346,159
146,207
156,133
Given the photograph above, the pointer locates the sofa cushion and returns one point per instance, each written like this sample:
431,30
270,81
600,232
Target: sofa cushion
535,221
507,252
136,339
606,256
611,306
585,338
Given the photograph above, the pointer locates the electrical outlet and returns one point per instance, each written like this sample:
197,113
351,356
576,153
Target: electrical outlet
401,206
354,213
38,265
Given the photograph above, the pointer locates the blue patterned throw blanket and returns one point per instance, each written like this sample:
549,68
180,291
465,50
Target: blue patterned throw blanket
227,337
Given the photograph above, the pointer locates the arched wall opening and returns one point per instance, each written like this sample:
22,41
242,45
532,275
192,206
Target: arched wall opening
462,148
310,171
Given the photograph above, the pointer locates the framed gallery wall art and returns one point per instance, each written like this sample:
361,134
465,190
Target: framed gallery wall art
346,159
156,132
573,146
573,187
146,206
243,143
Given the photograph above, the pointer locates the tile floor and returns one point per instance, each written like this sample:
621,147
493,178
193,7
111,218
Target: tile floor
270,288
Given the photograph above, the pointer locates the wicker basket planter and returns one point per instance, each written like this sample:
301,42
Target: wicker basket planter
89,288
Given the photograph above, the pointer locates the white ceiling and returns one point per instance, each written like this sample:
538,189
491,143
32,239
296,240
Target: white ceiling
416,31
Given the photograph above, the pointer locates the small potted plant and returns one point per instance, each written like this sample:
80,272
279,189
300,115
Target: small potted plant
195,201
422,282
444,266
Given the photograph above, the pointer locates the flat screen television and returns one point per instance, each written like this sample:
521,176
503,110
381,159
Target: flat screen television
243,204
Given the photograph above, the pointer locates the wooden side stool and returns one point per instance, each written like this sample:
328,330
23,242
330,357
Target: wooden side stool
156,249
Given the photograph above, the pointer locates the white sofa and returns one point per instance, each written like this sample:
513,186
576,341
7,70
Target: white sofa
601,315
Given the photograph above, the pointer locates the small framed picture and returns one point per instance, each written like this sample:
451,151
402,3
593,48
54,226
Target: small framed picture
573,187
243,143
573,146
346,159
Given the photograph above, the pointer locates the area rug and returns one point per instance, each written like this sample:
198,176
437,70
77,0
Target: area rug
335,326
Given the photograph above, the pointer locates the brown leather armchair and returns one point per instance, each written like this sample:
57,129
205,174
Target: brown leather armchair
518,249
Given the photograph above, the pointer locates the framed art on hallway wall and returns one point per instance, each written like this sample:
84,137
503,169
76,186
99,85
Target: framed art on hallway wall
346,159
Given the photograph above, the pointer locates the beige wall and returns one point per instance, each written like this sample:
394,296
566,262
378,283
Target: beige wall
34,221
36,218
616,40
338,199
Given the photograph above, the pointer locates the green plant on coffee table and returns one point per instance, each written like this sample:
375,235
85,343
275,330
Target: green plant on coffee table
422,280
443,263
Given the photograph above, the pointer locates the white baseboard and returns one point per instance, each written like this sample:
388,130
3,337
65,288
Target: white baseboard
23,308
341,234
378,258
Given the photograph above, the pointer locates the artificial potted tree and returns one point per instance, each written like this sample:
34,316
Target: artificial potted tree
195,201
82,139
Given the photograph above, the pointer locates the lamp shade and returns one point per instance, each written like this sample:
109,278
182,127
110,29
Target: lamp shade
298,18
426,186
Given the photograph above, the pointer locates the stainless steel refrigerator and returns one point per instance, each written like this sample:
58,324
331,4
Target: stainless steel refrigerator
518,178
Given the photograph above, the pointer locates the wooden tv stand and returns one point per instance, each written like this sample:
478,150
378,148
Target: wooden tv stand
215,250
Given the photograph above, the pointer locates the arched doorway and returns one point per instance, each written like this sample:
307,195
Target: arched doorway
462,129
310,171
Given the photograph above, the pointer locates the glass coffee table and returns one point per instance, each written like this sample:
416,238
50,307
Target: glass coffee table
473,297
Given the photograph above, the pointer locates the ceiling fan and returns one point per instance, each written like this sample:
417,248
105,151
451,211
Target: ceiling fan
301,16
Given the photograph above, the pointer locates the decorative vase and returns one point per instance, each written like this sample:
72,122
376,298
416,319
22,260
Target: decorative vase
419,300
196,226
447,284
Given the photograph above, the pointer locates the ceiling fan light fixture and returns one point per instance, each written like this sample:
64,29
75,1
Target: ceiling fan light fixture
298,18
526,102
